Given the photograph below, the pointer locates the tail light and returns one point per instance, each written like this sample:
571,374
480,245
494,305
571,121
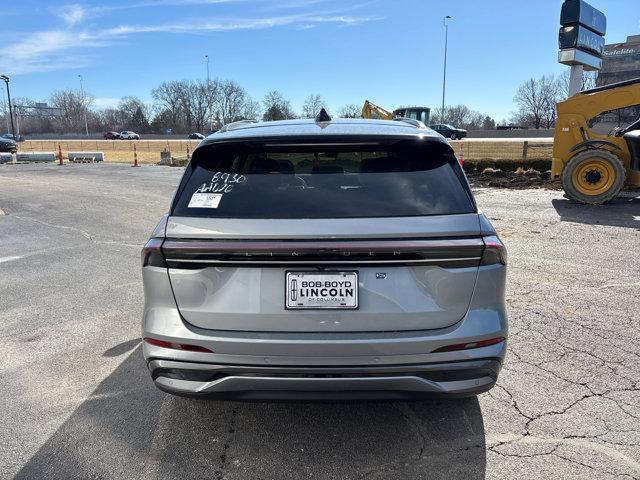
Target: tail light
467,346
176,346
494,251
152,255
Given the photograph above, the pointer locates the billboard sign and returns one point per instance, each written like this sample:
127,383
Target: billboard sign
574,57
575,36
581,13
581,37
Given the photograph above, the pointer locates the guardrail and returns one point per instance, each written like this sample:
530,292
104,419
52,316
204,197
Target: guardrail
6,157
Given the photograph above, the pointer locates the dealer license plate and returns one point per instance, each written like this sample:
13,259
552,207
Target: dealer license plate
336,290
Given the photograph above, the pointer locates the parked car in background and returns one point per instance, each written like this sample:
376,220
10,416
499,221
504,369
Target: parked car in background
342,259
111,136
196,136
10,136
129,135
8,145
448,131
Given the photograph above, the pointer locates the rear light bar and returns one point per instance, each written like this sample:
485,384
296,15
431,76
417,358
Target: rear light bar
494,251
152,255
177,346
462,252
467,346
458,252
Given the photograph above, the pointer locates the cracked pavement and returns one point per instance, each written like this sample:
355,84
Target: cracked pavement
78,402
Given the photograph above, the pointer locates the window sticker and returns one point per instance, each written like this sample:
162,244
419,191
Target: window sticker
205,200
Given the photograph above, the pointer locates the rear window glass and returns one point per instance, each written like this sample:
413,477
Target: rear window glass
323,181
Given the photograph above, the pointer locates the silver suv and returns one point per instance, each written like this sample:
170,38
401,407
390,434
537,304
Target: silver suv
324,260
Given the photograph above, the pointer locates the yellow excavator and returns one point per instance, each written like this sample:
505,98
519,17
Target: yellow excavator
596,144
371,110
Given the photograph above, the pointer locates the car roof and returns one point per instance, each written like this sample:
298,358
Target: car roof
309,127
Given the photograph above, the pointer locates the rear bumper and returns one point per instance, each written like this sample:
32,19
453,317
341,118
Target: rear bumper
319,365
243,382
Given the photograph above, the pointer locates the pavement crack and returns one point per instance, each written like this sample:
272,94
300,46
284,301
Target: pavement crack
55,225
82,232
411,419
493,449
591,467
224,456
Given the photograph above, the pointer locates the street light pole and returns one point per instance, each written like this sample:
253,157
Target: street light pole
86,125
444,77
209,86
13,130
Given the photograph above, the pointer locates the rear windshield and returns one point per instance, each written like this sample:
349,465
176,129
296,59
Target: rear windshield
407,178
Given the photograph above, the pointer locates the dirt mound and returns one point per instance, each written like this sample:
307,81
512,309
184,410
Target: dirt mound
520,178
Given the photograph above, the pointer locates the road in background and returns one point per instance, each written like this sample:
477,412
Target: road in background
520,150
78,401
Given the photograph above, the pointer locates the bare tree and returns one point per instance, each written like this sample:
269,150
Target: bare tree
169,102
460,116
536,100
230,102
112,119
588,82
350,111
312,106
132,114
251,109
74,105
276,107
530,103
550,90
199,103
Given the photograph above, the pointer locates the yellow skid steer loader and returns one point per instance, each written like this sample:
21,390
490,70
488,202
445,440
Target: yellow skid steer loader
596,145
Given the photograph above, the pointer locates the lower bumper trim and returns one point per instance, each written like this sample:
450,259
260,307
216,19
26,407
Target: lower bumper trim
248,382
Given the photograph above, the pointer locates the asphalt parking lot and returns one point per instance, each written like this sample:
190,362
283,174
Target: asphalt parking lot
77,401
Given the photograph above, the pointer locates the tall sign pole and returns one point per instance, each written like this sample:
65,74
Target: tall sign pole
444,76
86,125
208,87
581,40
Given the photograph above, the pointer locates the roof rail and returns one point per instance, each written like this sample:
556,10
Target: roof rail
236,125
412,122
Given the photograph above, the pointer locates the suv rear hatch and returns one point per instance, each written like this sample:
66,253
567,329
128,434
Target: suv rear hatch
323,236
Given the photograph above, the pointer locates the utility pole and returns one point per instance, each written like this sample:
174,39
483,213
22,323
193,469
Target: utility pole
445,23
209,86
6,81
86,125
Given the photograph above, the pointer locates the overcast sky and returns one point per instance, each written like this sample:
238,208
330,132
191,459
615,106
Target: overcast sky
387,51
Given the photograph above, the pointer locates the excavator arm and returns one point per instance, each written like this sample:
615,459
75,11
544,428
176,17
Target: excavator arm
371,110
